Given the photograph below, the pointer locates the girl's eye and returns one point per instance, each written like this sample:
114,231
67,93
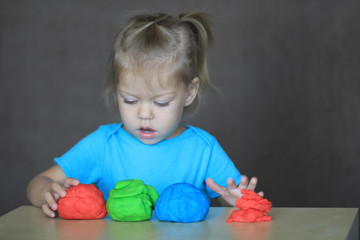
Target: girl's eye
162,104
130,101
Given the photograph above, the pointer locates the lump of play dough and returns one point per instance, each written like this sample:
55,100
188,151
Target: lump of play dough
131,200
252,208
182,202
83,201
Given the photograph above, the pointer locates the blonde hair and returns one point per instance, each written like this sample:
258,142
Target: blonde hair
152,40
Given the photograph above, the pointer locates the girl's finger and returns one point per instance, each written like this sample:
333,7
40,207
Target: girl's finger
58,189
50,201
48,211
252,184
71,182
215,187
243,182
231,184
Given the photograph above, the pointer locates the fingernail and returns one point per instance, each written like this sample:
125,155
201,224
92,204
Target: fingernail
53,206
52,214
62,194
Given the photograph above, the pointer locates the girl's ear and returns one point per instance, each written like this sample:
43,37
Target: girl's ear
192,91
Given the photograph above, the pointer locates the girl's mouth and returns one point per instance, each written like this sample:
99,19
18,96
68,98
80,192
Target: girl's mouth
146,132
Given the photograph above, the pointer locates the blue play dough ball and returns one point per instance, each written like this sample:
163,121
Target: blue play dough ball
182,202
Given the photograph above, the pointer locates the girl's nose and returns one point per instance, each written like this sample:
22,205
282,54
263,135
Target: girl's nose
145,111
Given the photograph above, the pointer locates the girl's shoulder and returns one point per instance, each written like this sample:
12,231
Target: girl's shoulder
110,129
202,135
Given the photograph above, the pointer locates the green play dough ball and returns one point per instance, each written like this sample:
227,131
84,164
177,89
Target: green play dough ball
131,200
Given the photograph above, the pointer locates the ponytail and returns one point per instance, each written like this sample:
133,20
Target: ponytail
199,24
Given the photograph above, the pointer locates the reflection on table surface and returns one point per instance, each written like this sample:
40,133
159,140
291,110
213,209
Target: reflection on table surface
28,222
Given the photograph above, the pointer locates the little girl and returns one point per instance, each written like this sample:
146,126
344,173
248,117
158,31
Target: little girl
159,77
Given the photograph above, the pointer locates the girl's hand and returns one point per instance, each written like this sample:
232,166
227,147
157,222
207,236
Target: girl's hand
55,193
233,192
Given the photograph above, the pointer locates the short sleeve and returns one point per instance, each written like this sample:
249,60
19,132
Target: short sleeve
221,168
84,160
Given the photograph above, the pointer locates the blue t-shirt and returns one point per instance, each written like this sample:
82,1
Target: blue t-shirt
110,154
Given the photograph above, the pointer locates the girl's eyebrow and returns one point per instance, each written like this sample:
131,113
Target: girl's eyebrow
170,94
166,94
122,92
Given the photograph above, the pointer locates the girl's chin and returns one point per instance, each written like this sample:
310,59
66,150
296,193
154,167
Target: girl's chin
148,141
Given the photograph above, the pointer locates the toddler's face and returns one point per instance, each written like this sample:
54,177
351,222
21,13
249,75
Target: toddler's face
152,113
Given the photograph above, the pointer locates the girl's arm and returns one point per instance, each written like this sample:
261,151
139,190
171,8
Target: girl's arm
45,189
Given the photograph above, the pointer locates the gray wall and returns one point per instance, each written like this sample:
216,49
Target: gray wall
289,73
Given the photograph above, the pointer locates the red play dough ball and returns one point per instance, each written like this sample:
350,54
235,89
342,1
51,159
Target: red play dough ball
252,208
84,201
